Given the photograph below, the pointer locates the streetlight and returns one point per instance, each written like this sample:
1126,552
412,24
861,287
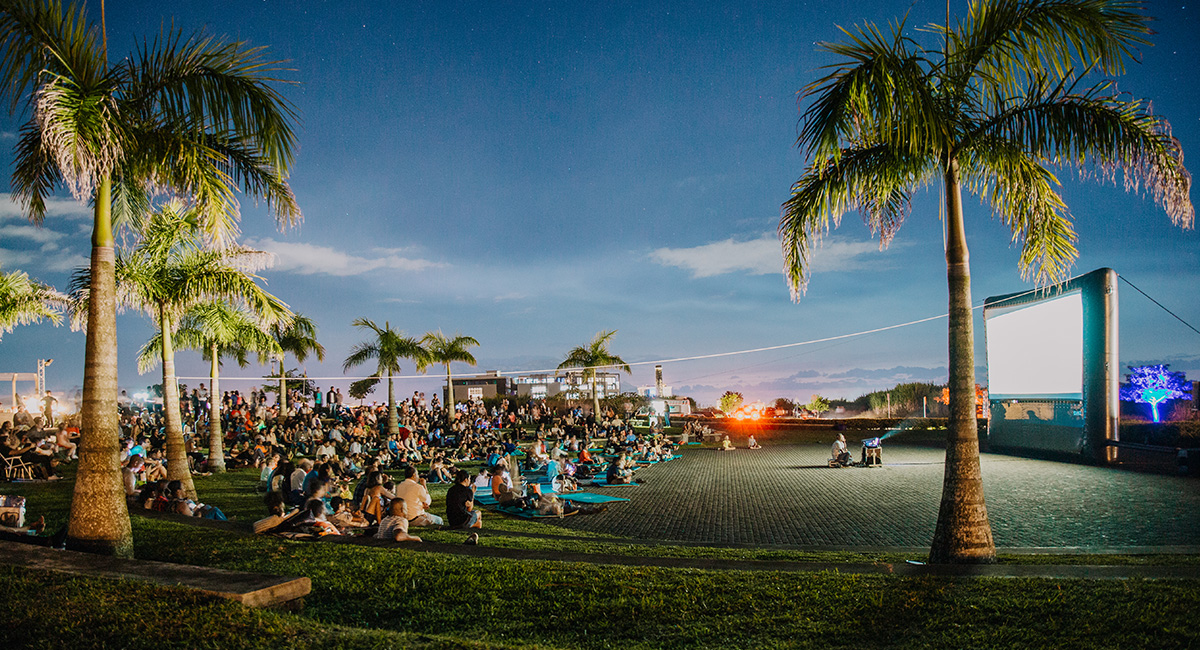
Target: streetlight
41,375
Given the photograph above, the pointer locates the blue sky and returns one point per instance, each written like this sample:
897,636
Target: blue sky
530,174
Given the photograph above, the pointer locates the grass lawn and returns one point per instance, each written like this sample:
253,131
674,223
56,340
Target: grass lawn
396,597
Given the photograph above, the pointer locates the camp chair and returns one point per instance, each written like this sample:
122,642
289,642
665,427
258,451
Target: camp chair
16,468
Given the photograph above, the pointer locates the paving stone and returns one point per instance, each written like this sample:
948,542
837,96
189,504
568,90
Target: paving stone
787,495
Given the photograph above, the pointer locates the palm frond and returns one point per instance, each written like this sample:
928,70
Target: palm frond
876,180
879,92
24,301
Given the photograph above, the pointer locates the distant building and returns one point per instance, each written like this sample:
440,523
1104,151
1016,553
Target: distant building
652,391
489,384
572,384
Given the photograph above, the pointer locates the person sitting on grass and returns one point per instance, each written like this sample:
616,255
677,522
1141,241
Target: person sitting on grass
130,473
316,518
460,503
726,445
395,525
438,471
63,440
754,443
412,489
181,504
343,517
502,490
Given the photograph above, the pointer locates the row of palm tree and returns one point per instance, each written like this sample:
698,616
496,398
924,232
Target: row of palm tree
198,116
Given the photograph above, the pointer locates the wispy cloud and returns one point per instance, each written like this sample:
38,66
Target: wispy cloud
761,256
11,258
310,259
56,208
36,234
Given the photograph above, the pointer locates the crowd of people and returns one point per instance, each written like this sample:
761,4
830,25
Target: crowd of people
327,468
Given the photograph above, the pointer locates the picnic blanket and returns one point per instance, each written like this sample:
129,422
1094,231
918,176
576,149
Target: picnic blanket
588,497
529,514
603,482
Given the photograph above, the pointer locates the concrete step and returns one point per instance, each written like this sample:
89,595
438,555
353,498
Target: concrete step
249,589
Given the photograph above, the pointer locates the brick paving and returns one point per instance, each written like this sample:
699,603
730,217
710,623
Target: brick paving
786,495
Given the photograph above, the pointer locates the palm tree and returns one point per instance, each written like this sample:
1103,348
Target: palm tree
997,109
169,271
593,356
197,115
298,336
216,329
24,301
387,347
444,350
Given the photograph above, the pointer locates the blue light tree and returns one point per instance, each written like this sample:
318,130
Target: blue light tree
1154,385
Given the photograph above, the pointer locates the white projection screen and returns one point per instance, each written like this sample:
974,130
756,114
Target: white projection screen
1035,350
1052,369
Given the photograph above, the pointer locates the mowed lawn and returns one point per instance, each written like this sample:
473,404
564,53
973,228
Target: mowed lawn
399,597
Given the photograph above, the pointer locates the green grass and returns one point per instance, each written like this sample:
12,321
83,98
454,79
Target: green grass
400,597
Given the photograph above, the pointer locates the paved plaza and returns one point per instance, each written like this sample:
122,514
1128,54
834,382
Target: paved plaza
786,495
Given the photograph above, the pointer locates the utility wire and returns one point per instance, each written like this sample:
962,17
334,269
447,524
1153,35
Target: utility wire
1189,325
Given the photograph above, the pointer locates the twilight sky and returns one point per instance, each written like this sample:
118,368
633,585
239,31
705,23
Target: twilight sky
533,173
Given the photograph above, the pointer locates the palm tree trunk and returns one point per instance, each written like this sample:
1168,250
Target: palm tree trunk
216,440
393,419
963,533
450,400
177,460
282,391
595,398
99,520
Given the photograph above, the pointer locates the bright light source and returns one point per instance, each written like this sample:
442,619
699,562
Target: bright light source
659,406
141,397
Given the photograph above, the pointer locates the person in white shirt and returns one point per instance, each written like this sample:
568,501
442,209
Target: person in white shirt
416,497
841,455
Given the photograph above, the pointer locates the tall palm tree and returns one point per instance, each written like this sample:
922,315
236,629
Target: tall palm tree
298,336
592,357
387,347
997,109
216,329
169,271
24,302
198,115
444,350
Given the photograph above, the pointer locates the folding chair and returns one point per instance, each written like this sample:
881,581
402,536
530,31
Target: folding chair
16,468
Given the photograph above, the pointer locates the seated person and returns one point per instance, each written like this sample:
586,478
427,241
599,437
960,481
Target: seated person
754,443
412,489
617,473
13,447
394,526
343,517
460,503
181,504
62,440
130,473
841,455
726,445
502,490
317,519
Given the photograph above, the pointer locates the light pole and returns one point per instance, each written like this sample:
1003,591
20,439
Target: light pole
41,376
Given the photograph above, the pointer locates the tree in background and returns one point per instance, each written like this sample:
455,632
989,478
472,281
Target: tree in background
593,357
784,405
199,116
998,106
1154,385
24,302
817,405
442,349
216,330
387,348
730,401
299,337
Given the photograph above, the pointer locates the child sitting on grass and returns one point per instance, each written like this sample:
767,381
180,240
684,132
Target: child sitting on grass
395,525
